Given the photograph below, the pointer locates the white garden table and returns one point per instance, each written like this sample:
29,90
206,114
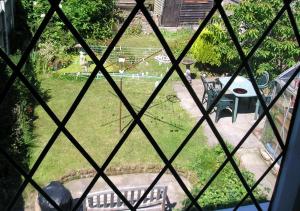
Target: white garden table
242,83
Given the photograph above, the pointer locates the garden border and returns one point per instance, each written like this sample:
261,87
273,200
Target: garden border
127,169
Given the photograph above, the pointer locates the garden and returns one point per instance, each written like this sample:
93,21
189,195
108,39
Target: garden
101,119
96,125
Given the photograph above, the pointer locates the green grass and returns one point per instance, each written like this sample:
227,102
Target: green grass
140,41
95,125
167,122
176,40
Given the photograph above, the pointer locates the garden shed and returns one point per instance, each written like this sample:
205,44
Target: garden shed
282,110
173,13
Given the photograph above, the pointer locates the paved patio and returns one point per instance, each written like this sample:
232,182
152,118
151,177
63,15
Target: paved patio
244,121
249,153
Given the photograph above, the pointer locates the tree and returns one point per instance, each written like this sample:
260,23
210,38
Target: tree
249,20
92,18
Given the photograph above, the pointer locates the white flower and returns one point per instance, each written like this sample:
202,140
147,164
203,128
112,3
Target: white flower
43,15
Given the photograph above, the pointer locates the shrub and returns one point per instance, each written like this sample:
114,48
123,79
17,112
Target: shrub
249,19
92,18
204,50
16,119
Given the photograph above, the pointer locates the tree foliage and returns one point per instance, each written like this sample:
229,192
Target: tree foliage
92,18
249,20
204,49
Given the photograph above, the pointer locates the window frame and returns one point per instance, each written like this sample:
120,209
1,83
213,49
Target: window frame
137,116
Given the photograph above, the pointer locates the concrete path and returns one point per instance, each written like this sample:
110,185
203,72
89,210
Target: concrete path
175,193
231,132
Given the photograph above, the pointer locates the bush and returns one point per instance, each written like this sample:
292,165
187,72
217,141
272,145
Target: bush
212,52
204,50
48,57
16,119
249,19
92,18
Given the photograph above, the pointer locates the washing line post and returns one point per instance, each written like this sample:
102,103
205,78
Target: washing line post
120,110
121,62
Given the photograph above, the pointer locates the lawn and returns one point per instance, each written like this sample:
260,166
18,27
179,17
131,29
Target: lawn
95,125
176,40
